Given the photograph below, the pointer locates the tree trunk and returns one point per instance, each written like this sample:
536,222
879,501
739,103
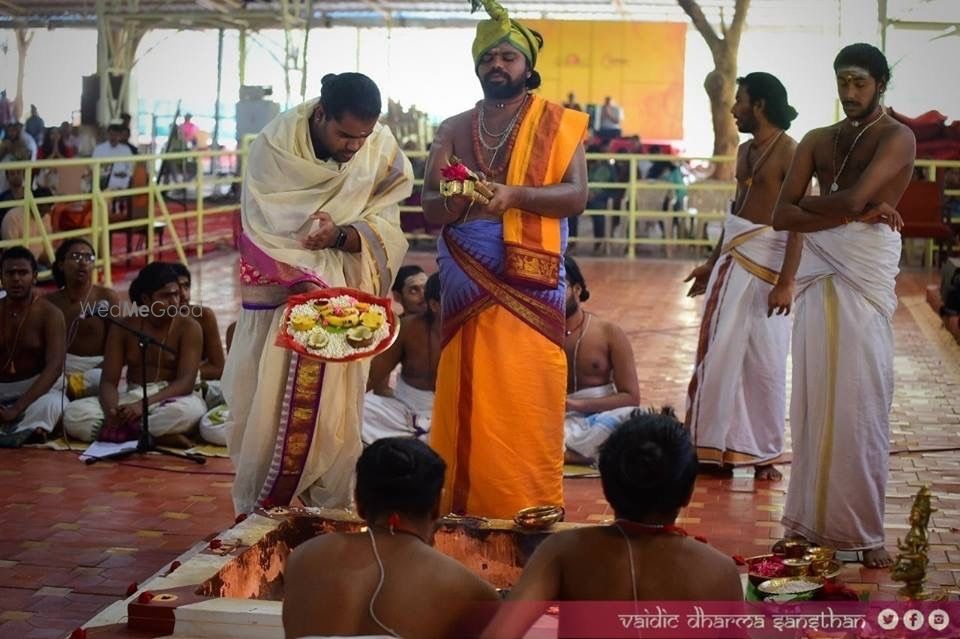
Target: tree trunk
23,43
720,84
721,89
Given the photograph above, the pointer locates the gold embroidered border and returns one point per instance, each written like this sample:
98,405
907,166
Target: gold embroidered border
301,425
756,269
832,331
529,265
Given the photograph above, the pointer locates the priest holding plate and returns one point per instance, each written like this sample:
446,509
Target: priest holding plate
320,246
503,177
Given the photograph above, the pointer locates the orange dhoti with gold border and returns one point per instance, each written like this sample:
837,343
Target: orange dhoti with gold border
501,382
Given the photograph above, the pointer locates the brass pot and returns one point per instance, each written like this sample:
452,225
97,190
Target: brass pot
797,567
538,517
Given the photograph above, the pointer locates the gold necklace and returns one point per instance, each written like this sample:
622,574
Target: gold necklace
75,325
9,366
768,147
834,187
163,343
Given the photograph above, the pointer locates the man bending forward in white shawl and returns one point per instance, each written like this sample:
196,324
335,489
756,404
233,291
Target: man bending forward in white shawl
842,336
320,209
737,398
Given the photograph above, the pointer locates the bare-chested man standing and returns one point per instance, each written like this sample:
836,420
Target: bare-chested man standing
31,354
76,297
843,336
737,397
406,410
602,387
174,408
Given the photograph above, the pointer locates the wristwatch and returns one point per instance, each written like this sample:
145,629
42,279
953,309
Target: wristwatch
341,238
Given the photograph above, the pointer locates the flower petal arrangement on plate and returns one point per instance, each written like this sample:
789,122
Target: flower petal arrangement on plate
337,325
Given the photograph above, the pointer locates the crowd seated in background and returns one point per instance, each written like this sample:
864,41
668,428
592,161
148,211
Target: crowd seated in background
12,219
16,138
406,409
648,468
114,176
388,579
175,408
86,337
31,359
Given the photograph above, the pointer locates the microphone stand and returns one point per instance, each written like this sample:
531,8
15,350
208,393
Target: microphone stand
145,443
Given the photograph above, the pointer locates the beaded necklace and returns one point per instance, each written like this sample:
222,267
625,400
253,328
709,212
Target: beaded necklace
835,186
9,367
507,141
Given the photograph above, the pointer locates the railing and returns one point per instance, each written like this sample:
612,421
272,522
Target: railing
99,201
692,205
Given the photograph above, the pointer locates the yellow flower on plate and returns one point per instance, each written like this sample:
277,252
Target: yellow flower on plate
372,319
303,322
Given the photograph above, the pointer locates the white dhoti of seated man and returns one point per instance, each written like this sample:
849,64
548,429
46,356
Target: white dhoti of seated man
407,413
584,433
83,418
42,413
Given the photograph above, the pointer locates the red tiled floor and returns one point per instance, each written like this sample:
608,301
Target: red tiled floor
116,523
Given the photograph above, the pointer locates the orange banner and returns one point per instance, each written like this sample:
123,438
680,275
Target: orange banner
638,64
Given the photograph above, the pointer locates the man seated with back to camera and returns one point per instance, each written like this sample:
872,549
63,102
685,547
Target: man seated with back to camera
407,408
648,468
77,296
174,408
388,580
31,356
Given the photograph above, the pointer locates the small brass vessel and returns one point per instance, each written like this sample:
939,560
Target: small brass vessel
538,517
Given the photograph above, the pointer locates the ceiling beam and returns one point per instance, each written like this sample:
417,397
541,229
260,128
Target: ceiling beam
9,6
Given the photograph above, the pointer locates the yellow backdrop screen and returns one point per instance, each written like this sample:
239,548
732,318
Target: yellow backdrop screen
638,64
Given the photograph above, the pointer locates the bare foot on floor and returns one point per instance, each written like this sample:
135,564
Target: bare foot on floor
715,471
767,472
877,558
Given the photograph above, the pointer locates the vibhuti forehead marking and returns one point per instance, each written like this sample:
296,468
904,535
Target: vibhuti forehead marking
852,72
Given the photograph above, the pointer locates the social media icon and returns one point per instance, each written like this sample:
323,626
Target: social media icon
913,620
888,619
938,619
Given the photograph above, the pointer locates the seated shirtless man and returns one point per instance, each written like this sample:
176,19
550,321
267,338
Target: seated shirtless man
76,296
174,408
602,382
406,409
388,580
31,354
648,468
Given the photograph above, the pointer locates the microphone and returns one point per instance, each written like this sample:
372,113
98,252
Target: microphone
101,309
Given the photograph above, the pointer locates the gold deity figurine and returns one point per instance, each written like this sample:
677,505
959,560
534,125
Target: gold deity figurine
910,566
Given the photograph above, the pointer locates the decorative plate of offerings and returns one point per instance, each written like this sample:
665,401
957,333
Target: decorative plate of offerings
795,587
338,325
766,567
